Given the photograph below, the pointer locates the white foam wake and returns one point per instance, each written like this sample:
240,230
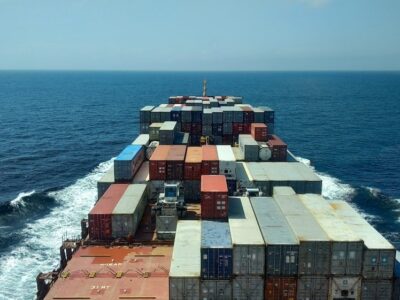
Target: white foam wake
19,200
39,249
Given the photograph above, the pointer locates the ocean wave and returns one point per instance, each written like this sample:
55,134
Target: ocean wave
19,200
38,249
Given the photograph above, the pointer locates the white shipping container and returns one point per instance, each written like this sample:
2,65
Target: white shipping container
105,181
142,139
248,243
345,287
347,246
227,161
142,176
184,274
379,254
128,213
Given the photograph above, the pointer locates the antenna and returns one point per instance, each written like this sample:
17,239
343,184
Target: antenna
204,88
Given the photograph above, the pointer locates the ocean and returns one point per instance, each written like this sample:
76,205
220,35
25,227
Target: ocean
60,131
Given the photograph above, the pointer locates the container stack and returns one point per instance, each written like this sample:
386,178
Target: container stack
166,162
192,176
216,260
282,249
314,248
346,253
259,132
227,166
209,161
278,148
267,175
105,181
248,250
249,147
214,197
167,132
184,274
145,118
379,254
128,163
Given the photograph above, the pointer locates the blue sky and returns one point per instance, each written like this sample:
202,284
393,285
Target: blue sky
200,35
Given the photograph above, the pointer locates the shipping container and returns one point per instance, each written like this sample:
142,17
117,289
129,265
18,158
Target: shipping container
105,181
259,132
142,140
145,114
282,252
278,148
166,227
193,163
217,115
267,175
165,114
281,288
259,115
237,115
379,254
248,243
227,114
207,130
216,290
346,245
249,147
191,191
175,162
237,129
195,129
128,162
217,140
269,114
376,289
129,210
227,129
227,161
214,197
248,114
216,250
154,131
197,113
158,163
167,133
176,114
207,116
345,287
186,127
155,115
232,186
248,288
195,140
184,275
186,114
100,223
142,176
181,138
313,287
144,128
217,129
314,249
210,163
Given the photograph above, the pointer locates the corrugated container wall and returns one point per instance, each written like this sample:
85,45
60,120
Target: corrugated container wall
128,162
216,289
158,163
278,148
210,164
248,243
100,222
376,289
313,287
216,250
214,197
345,287
281,288
249,147
128,213
282,252
379,254
193,163
175,162
314,250
248,287
184,274
347,247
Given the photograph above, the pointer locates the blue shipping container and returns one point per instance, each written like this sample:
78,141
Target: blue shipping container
216,250
176,114
197,114
231,186
128,162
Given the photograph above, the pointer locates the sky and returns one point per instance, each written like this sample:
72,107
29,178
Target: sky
259,35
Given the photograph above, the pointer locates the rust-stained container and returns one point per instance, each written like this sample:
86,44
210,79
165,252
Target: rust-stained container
280,288
175,162
210,163
193,163
96,272
278,148
214,197
259,132
158,163
100,217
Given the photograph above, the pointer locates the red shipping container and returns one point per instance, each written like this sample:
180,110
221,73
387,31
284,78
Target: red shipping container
246,128
214,197
278,148
210,162
237,128
186,127
259,132
100,225
158,163
248,114
196,128
193,163
281,288
175,161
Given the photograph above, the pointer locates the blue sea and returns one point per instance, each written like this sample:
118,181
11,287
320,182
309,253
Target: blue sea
59,132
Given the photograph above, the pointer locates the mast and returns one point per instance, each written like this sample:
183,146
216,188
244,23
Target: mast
204,88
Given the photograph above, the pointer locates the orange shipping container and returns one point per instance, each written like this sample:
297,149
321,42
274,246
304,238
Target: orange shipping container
259,132
214,197
175,162
158,163
193,163
210,164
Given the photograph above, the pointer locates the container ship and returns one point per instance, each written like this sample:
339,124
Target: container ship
208,203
